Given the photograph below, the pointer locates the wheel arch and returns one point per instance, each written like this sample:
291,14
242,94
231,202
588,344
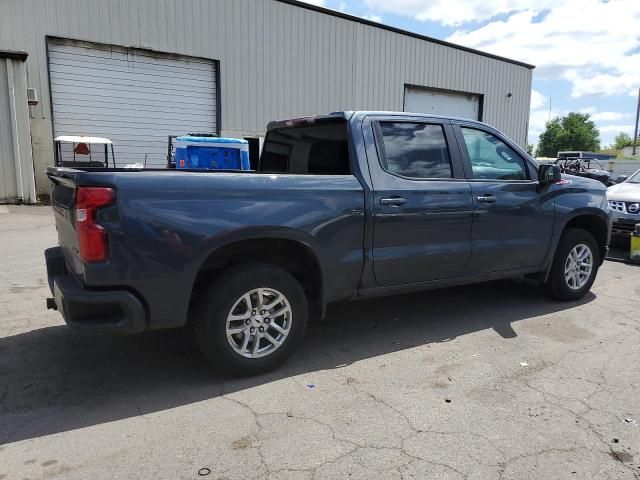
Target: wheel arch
596,225
287,250
591,220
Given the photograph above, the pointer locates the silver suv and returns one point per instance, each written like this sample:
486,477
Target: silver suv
624,201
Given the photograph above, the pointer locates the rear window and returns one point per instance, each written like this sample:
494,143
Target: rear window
313,149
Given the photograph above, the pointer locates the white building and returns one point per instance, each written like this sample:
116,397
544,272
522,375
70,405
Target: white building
136,71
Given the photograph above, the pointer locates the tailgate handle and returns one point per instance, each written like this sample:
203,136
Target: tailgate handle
393,201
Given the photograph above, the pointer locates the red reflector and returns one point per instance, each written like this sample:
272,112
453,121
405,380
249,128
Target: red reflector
92,237
81,149
93,243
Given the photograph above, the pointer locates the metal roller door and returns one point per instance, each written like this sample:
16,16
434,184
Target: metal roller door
436,102
134,97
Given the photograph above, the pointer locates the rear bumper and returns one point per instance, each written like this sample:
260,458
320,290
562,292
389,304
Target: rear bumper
108,311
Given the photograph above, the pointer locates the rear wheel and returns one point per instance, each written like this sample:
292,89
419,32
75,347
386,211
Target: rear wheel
251,320
575,265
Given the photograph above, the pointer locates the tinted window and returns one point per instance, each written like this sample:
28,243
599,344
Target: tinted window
417,150
491,158
316,149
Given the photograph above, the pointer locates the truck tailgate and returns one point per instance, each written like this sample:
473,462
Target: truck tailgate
63,195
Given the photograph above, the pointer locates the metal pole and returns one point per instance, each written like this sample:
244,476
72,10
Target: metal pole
635,130
13,111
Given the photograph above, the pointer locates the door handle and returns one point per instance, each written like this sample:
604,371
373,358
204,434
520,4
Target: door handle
487,199
393,201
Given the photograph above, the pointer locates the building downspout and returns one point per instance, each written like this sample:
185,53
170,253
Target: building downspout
14,129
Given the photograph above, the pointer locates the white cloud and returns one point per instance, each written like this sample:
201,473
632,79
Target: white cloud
624,82
538,100
319,3
583,41
608,116
616,129
444,12
373,18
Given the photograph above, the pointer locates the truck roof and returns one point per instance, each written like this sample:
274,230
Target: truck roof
348,114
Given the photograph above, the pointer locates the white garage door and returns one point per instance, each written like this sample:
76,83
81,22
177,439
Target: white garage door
420,100
136,98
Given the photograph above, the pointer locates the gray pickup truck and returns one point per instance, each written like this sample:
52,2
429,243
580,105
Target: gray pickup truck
344,206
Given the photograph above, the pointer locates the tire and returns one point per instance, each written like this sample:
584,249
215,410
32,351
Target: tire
557,285
227,296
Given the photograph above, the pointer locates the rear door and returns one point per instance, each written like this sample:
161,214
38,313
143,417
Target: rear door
422,204
513,222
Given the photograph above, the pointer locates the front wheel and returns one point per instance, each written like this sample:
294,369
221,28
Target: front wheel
574,267
251,320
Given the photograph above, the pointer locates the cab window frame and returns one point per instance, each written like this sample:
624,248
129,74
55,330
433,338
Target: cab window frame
448,139
528,166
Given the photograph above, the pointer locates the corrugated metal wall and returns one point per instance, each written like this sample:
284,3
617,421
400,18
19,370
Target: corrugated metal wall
276,60
16,165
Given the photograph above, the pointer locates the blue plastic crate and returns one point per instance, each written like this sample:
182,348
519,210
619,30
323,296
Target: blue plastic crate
212,153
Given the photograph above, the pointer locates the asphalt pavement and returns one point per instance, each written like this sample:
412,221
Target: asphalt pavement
477,382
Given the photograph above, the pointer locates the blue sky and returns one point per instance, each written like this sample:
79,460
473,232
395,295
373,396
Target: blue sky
586,52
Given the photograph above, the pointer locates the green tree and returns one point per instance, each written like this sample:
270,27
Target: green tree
529,149
622,140
575,131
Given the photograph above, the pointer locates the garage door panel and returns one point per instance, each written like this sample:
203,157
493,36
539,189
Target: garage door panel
100,73
437,102
161,118
117,128
107,77
141,116
167,72
133,97
129,91
71,100
104,108
128,124
163,62
167,63
185,71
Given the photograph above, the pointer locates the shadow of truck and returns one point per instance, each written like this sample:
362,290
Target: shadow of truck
56,380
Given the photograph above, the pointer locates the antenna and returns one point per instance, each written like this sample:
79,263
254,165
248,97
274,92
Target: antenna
635,129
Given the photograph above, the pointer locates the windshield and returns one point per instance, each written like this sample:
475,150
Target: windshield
635,178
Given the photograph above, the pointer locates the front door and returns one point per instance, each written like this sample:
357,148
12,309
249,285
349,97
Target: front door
513,221
422,204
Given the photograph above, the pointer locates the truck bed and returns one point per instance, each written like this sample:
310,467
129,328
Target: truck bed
165,223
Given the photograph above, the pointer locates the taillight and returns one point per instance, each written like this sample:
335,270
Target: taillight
92,237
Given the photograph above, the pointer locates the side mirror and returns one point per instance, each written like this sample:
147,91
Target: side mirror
548,174
621,178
